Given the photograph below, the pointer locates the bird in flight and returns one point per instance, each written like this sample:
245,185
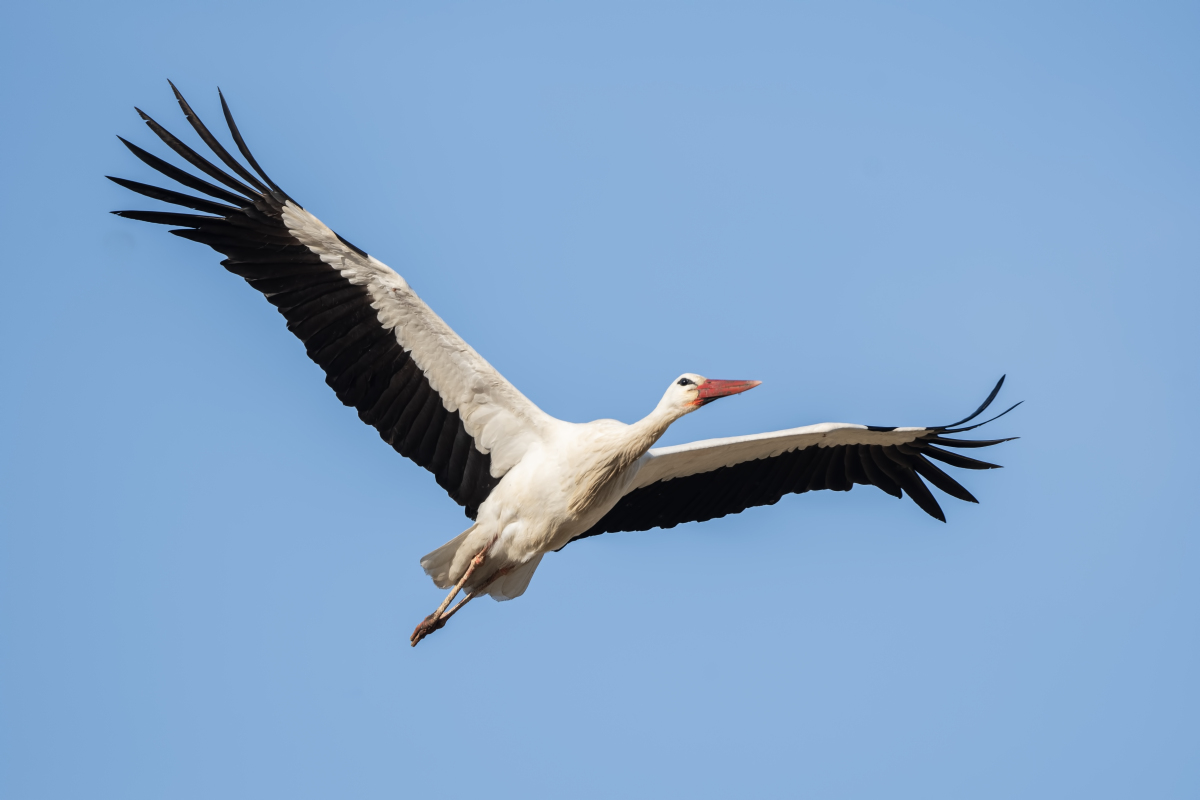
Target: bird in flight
529,483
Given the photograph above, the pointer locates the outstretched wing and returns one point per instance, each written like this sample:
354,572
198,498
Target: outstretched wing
703,480
384,352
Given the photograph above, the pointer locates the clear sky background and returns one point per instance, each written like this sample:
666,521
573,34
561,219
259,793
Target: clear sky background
209,567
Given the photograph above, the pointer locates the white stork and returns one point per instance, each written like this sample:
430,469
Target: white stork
530,483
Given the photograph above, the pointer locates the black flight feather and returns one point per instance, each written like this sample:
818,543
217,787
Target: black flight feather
186,178
177,198
194,158
212,142
243,149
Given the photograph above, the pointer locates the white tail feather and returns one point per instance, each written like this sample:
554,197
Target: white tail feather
437,564
516,582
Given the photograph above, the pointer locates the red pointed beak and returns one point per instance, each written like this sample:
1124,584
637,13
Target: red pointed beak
713,390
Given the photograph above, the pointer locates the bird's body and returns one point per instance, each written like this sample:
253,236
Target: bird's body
531,483
562,486
558,490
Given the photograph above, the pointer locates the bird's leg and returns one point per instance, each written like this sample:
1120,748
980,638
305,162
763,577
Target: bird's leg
436,620
475,562
478,590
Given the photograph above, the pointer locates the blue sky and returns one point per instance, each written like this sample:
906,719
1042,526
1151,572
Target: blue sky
209,567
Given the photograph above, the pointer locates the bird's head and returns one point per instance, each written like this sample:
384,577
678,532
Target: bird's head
690,391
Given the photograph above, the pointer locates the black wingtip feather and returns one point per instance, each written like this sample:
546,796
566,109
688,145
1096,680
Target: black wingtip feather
243,149
194,119
992,396
195,159
980,424
167,218
966,443
956,460
175,198
941,480
185,178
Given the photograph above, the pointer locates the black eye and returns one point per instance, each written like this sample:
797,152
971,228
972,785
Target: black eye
685,382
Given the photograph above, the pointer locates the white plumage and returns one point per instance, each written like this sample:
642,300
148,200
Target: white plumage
531,483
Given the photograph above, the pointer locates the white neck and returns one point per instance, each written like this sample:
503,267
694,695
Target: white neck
619,453
647,430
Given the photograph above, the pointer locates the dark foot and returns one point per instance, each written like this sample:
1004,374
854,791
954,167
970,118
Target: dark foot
428,625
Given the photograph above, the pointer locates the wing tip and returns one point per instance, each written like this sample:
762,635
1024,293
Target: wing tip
987,402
